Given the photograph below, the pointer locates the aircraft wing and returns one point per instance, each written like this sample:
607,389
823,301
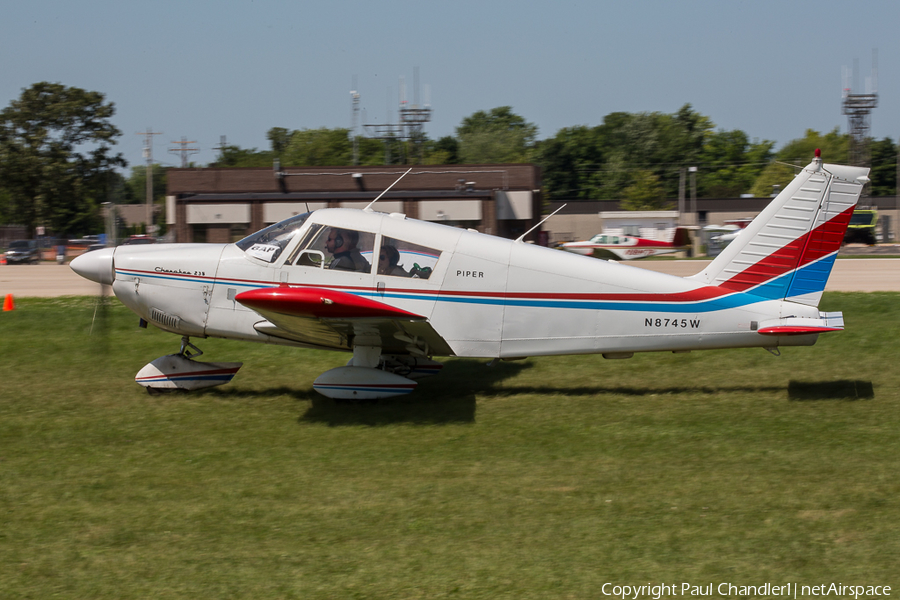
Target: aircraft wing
339,320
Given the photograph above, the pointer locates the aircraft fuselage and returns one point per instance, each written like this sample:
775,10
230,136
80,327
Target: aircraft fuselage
485,297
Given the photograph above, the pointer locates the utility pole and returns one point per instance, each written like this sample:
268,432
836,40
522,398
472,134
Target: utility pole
696,215
148,154
693,172
223,143
354,97
184,151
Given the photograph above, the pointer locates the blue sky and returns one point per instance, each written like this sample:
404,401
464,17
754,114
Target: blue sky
203,69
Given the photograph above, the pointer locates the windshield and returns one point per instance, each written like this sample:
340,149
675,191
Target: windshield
267,244
19,244
861,218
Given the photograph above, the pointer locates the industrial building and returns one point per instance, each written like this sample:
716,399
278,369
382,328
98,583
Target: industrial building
226,204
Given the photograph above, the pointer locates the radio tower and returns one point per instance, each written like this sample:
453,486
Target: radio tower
858,107
414,117
411,126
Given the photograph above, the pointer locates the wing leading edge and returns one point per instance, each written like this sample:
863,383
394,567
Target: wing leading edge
340,320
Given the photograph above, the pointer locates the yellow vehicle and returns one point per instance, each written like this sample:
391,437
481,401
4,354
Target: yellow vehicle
862,226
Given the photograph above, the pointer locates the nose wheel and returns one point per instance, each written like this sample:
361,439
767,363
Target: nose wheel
181,372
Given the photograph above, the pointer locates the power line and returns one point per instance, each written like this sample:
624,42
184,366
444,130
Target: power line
184,151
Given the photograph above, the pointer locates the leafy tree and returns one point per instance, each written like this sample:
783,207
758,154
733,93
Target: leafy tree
371,151
729,164
235,156
318,148
6,207
601,162
55,160
304,148
645,192
499,136
570,161
689,130
136,185
445,151
884,168
835,148
279,138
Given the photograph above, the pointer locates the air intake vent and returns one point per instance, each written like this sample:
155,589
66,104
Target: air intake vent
168,321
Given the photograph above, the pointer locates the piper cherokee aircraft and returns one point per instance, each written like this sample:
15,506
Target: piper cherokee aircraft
627,247
396,292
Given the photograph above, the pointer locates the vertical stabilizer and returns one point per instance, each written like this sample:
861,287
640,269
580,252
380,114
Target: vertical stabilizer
789,249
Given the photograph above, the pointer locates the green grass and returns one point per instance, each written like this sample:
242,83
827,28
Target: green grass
543,478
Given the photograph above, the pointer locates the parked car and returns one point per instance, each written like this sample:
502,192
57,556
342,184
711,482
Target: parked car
85,240
140,239
23,251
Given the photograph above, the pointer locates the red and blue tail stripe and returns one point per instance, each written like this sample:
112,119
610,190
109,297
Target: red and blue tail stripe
800,267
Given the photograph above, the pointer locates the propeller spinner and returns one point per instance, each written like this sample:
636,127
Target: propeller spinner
97,265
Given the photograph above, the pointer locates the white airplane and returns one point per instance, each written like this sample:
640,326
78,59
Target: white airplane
432,290
628,247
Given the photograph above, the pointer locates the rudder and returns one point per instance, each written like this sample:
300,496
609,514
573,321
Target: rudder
789,249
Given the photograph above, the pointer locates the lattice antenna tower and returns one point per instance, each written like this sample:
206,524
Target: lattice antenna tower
414,117
858,108
412,121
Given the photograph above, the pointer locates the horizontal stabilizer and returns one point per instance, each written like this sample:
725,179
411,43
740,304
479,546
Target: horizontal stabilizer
802,326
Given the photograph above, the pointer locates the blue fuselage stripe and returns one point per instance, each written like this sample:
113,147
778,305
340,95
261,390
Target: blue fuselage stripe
813,277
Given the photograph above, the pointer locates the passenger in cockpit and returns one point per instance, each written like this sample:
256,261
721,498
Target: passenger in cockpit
388,260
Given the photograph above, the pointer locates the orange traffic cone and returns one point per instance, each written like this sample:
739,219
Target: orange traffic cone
8,303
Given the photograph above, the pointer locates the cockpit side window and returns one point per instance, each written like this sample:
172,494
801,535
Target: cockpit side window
268,244
341,249
310,251
399,258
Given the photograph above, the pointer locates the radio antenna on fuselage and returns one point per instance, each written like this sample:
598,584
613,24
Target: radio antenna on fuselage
368,208
522,237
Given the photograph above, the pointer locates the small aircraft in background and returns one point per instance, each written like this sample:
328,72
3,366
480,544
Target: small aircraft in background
627,247
725,233
428,290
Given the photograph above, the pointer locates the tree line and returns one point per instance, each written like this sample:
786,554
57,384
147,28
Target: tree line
57,164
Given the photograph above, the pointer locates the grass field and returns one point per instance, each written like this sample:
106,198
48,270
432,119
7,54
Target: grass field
543,478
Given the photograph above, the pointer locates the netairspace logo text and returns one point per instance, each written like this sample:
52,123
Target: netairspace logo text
725,590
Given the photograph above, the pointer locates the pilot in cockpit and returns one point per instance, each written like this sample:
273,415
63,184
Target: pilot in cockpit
342,244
